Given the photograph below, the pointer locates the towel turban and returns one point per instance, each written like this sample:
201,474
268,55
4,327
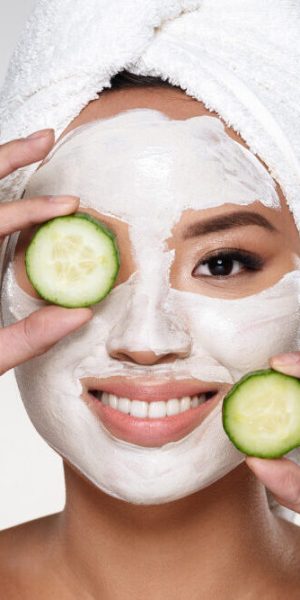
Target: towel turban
239,57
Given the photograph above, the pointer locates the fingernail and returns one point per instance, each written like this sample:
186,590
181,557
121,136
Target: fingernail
291,358
63,200
39,134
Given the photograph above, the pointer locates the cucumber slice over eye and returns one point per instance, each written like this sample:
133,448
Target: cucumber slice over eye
261,414
73,260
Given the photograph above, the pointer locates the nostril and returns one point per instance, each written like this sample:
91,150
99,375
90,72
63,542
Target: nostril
146,358
122,356
170,357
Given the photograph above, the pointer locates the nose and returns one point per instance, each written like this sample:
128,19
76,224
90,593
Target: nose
148,334
146,358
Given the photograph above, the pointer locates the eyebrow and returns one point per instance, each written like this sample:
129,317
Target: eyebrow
230,221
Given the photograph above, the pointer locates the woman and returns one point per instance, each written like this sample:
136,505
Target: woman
84,551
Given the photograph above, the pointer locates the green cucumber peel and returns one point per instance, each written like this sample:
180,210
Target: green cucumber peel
43,229
273,379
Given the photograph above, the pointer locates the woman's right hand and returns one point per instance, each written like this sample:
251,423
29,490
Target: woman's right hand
35,334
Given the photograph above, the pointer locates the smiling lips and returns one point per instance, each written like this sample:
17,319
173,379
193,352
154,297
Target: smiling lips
150,414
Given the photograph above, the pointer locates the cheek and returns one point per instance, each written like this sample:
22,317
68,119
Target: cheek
224,335
243,334
51,391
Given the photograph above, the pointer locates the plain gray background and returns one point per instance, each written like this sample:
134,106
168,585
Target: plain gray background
31,479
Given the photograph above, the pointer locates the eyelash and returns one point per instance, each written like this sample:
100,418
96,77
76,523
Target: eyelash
250,262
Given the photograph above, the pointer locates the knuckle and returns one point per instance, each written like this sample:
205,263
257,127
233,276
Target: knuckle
28,334
33,329
291,487
13,155
8,156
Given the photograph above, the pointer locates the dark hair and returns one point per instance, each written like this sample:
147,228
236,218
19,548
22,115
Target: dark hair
125,79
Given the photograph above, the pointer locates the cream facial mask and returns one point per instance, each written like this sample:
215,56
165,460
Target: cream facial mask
144,169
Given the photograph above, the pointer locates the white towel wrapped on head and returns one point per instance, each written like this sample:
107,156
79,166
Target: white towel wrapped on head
239,57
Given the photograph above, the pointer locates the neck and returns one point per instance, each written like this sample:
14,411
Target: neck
120,550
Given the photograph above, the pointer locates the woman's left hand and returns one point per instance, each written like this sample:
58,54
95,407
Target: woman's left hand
280,475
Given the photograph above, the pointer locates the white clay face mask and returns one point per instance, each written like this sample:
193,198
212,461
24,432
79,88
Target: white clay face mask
144,169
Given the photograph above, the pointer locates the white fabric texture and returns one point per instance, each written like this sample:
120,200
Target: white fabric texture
240,57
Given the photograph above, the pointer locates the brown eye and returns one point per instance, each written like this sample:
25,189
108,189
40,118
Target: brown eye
227,264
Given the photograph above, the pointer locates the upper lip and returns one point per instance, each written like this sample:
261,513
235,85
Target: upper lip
148,391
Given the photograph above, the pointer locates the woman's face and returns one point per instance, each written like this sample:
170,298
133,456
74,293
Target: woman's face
203,296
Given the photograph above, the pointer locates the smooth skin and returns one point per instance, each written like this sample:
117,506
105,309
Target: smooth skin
222,542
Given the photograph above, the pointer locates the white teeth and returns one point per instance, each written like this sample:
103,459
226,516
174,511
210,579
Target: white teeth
185,403
124,405
195,401
151,410
105,398
201,398
139,409
173,407
113,401
157,409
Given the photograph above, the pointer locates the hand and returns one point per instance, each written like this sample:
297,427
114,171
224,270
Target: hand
281,475
43,328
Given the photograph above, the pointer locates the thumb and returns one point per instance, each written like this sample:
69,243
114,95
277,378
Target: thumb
281,476
37,333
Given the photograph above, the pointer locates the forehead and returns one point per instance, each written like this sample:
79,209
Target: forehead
142,165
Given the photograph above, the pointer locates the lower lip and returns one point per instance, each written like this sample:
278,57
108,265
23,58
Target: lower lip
150,432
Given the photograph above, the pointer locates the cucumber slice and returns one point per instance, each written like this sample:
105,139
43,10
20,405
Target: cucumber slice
261,414
72,260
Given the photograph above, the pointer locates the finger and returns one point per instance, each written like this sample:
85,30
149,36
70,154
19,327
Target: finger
281,476
288,363
37,333
25,151
16,215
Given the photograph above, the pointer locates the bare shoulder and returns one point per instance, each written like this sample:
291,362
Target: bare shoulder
24,553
